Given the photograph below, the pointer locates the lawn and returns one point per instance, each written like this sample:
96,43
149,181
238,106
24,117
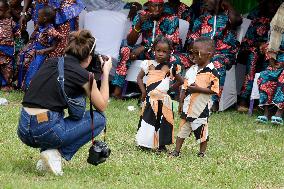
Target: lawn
241,154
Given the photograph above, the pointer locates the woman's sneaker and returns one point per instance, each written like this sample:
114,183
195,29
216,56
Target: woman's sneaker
52,160
40,165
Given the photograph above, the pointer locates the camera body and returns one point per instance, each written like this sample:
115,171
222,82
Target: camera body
95,65
98,153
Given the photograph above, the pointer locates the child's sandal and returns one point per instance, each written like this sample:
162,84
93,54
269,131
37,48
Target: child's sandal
262,119
201,154
174,154
276,120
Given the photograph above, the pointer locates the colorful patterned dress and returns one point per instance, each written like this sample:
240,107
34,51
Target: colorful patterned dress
155,127
67,16
226,44
250,54
29,60
8,32
271,82
181,13
168,26
196,106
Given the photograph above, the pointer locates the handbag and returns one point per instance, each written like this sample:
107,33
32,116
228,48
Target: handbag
76,106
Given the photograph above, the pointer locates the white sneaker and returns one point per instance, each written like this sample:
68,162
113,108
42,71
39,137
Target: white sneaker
52,160
40,165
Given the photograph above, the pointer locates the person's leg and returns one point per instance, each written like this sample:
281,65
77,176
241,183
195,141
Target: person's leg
249,78
202,136
121,71
219,62
78,133
184,132
269,87
279,113
7,74
203,147
278,98
122,67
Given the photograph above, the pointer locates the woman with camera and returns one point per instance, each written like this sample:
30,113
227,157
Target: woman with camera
42,123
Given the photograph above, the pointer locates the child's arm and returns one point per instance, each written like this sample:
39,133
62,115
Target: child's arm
141,84
181,100
47,50
193,88
57,37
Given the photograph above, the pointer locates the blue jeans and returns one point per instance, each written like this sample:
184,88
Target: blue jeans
53,131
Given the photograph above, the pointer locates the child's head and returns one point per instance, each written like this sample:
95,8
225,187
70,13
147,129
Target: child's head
162,49
46,15
202,51
15,3
4,7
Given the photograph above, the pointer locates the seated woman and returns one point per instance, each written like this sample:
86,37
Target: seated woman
218,22
271,81
150,23
42,123
250,53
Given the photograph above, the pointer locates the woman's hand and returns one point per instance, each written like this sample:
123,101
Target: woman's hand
107,65
23,23
136,52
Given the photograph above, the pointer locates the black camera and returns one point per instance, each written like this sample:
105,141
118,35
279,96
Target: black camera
96,65
98,153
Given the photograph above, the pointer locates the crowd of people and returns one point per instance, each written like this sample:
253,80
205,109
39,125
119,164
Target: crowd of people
195,70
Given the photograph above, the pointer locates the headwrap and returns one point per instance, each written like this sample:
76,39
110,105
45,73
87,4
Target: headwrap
156,1
276,29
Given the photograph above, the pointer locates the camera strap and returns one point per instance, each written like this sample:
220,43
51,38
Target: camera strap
91,80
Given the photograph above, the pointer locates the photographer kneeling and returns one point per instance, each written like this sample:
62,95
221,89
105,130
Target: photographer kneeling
42,123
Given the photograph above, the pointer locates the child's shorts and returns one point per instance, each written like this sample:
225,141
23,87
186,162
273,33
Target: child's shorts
200,131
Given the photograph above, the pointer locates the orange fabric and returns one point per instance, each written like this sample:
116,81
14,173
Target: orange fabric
155,76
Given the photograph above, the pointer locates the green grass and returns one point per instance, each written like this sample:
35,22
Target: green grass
241,154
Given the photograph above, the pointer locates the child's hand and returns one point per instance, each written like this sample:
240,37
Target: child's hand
180,107
193,88
143,96
41,52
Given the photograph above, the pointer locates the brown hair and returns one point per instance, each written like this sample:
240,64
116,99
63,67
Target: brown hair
80,44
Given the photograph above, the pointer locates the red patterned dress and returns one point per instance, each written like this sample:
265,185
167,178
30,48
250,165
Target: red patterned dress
250,50
226,44
8,32
67,15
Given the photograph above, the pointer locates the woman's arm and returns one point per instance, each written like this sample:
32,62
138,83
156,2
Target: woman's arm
234,16
23,19
100,96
